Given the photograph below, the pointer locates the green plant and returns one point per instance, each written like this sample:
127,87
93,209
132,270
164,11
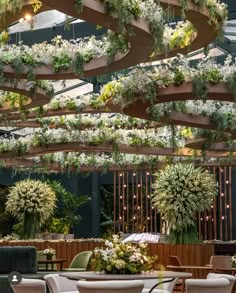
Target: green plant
31,201
231,83
65,214
200,87
7,221
179,191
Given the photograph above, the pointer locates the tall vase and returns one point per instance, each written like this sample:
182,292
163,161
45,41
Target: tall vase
31,225
49,257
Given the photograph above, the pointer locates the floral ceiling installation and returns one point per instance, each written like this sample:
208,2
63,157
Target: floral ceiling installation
150,131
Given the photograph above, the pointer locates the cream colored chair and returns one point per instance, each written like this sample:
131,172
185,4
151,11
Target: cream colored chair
221,261
30,286
131,286
220,285
231,278
58,284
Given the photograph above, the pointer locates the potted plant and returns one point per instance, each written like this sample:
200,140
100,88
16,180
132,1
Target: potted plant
49,252
32,202
181,190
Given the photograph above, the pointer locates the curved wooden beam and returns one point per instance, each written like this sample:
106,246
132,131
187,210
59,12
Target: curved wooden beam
140,41
139,107
108,147
36,98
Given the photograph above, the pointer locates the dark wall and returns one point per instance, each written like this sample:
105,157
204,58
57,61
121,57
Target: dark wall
79,184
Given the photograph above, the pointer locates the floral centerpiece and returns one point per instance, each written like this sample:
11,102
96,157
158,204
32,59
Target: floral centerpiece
233,261
49,252
118,257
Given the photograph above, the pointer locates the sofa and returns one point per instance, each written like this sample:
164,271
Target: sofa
22,259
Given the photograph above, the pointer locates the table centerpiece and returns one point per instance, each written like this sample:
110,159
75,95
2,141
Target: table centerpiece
49,252
118,257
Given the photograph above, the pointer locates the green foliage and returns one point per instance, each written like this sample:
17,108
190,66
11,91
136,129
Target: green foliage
200,87
126,11
65,215
223,121
186,236
231,83
7,221
61,62
213,76
79,64
179,77
117,43
78,6
179,191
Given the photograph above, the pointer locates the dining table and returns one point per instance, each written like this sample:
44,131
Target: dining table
161,276
199,272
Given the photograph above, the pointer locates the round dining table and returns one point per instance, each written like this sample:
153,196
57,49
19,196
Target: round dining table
161,276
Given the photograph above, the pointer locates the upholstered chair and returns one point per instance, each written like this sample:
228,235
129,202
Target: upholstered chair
131,286
80,262
58,284
30,286
231,278
220,285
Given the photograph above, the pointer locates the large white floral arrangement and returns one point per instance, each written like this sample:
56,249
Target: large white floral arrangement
122,258
32,197
179,191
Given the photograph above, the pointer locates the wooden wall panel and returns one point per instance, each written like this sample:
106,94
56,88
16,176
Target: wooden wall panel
188,254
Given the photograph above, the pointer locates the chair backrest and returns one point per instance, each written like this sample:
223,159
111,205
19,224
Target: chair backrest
81,260
22,259
220,285
231,278
174,260
57,284
221,261
41,256
30,286
132,286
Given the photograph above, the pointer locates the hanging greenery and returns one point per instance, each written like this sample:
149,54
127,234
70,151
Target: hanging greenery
179,191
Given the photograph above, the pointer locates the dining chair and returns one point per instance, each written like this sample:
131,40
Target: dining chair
231,278
80,262
221,261
219,285
173,260
122,286
58,284
30,286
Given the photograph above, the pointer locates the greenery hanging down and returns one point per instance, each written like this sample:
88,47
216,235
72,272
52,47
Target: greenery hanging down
179,191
